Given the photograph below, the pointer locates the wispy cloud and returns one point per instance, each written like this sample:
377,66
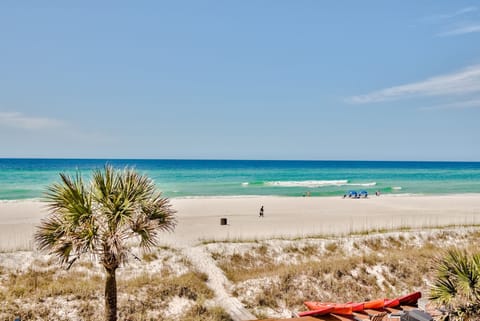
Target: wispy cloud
447,16
460,22
474,103
21,121
462,82
460,30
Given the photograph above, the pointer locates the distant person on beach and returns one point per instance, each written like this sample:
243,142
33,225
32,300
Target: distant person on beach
261,212
377,193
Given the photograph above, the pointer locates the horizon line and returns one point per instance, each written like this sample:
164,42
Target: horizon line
236,159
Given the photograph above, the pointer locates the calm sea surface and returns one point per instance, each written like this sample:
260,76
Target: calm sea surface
27,178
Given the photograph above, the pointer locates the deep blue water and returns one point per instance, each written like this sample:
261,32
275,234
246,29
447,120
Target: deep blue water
28,178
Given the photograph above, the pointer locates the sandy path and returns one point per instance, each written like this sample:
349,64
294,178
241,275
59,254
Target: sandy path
218,283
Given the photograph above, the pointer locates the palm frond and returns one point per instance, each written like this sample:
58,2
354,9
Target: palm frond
50,232
443,291
147,230
53,236
70,198
457,283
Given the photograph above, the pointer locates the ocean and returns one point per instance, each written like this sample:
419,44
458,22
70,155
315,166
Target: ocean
28,178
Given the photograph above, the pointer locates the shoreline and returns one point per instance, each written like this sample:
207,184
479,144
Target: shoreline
285,217
207,197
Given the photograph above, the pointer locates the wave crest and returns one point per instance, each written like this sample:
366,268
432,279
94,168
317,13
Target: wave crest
362,184
317,183
309,183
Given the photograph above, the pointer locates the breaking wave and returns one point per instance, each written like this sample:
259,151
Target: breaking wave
316,183
362,184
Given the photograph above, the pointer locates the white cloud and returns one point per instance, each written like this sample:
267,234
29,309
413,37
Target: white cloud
460,30
446,16
463,82
474,103
19,120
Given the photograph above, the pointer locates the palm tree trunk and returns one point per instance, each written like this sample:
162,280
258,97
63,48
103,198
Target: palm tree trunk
110,295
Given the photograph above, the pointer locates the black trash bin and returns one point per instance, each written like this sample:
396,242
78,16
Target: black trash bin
223,221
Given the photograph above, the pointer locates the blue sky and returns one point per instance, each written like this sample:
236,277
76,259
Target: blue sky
366,80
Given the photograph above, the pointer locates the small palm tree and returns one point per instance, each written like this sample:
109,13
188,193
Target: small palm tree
457,285
102,219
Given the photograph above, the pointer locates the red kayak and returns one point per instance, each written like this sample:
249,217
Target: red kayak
346,308
322,311
391,303
349,308
410,299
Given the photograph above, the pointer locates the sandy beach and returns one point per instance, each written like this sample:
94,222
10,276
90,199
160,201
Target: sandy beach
199,218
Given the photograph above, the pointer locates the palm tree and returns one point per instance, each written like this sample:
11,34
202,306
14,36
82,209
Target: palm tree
101,219
457,285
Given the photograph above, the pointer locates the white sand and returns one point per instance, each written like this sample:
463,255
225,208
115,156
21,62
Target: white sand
199,218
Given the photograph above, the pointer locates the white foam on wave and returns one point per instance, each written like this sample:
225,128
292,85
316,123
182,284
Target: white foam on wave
245,183
22,200
201,197
397,188
362,184
311,184
315,183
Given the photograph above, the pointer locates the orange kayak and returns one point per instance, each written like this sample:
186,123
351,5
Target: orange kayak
374,304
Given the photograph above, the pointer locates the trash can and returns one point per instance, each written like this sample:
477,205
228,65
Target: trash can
223,221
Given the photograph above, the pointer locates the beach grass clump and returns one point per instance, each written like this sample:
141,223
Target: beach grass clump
44,284
199,312
149,257
42,295
331,247
305,250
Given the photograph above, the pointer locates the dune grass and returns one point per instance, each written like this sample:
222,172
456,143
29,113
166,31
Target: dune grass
46,292
269,277
343,269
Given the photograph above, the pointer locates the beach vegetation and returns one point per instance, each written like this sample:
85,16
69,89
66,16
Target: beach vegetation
456,285
102,219
331,247
352,268
36,295
271,278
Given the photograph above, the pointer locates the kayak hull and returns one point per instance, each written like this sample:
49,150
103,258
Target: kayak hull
337,308
321,311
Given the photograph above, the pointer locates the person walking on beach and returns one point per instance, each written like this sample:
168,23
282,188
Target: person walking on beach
261,212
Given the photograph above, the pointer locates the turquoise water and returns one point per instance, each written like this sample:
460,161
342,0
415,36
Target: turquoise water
28,178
